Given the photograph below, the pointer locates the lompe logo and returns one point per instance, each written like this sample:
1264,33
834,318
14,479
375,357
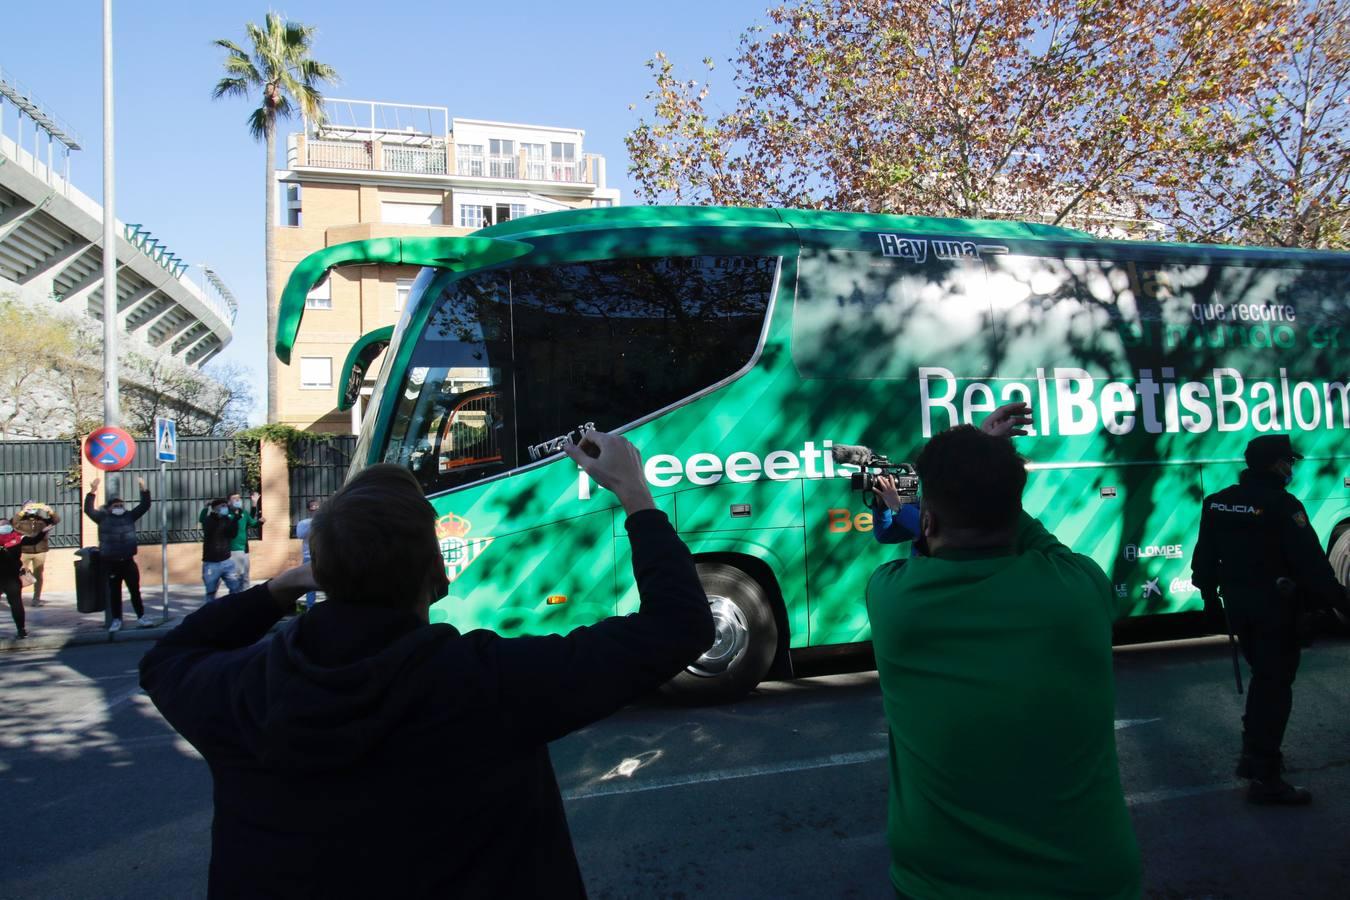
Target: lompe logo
458,549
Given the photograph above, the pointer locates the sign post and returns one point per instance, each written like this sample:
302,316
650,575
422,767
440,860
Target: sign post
109,449
166,451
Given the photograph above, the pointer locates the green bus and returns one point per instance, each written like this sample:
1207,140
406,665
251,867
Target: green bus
735,347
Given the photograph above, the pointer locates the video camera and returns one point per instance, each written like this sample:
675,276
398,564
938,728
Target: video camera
874,465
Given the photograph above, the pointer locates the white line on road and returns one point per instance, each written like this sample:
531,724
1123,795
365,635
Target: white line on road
1130,723
658,784
820,762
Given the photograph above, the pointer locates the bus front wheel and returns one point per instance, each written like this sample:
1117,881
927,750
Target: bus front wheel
743,650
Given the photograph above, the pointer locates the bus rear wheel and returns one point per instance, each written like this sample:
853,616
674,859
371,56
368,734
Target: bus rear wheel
747,638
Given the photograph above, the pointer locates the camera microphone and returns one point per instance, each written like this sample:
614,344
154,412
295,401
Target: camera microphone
851,454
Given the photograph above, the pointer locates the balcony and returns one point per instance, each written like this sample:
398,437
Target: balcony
438,158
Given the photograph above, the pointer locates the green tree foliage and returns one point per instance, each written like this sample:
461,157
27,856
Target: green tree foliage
1074,112
279,68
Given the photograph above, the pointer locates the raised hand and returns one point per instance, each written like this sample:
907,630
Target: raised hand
1007,420
615,464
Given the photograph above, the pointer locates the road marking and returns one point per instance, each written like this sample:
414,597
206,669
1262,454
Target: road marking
1130,723
658,784
628,767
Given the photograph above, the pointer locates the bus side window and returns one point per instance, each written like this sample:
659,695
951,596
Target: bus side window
860,315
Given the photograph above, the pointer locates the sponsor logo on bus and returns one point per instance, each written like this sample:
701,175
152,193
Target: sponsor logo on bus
1164,551
1181,586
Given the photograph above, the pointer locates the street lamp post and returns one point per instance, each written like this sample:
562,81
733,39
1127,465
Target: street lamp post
111,405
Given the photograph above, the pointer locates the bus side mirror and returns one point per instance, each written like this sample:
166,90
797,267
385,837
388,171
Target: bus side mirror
358,361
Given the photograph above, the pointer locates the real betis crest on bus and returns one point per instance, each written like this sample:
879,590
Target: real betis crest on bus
457,549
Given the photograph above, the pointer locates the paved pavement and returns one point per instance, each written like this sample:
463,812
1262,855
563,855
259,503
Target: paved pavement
779,795
57,623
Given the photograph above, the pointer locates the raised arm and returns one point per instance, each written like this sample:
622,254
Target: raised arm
144,506
549,686
90,509
194,667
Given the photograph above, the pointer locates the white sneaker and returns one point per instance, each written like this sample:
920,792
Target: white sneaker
115,625
145,622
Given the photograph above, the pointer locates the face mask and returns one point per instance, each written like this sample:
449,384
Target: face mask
222,510
117,510
237,504
6,528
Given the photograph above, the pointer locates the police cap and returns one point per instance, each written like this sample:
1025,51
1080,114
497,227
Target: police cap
1269,448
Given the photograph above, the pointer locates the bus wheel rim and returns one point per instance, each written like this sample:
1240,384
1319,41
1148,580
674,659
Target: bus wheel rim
733,638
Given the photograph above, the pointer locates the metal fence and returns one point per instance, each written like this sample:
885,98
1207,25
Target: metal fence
319,470
206,468
41,470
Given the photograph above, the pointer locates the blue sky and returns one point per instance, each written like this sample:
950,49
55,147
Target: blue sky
187,168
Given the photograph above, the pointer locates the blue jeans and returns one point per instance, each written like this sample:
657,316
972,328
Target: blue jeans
214,572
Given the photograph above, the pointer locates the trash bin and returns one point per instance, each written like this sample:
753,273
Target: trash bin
91,588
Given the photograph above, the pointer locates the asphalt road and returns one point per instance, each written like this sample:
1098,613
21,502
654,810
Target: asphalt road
780,795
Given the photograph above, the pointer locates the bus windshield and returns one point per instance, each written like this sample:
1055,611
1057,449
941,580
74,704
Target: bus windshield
511,358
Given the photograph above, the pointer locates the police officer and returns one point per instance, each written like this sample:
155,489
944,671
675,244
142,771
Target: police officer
1252,535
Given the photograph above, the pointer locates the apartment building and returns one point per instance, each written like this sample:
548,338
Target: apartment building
375,169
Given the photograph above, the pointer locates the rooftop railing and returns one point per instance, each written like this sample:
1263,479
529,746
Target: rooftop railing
436,157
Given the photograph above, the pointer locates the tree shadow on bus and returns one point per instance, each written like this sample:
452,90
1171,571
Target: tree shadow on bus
1117,352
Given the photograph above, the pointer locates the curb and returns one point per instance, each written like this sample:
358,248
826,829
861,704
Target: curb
61,640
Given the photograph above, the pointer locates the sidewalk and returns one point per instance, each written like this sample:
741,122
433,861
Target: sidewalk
56,623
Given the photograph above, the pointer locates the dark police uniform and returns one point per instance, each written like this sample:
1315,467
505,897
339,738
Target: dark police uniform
1252,534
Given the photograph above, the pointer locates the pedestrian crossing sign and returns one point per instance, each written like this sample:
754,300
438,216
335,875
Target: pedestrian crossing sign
166,440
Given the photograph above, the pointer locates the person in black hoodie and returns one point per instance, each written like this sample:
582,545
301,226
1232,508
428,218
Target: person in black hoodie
117,550
364,752
218,531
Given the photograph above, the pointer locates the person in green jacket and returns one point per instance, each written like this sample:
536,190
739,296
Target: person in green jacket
247,518
994,655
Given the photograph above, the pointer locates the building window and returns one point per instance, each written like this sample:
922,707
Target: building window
518,210
502,162
562,161
316,372
402,288
471,216
534,161
411,213
322,295
293,217
602,203
469,159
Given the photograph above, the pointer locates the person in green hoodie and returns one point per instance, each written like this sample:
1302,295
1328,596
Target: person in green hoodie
245,518
994,656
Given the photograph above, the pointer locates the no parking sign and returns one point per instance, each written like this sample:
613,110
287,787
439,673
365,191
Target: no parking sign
109,448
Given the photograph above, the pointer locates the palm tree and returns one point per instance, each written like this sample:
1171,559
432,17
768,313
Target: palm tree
285,76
